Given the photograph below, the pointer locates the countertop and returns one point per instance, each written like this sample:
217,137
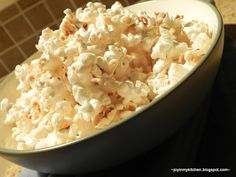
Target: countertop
227,9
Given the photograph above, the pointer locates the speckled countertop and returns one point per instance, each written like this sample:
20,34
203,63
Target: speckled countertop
227,9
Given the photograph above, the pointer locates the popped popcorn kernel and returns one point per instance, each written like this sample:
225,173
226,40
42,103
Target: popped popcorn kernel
99,67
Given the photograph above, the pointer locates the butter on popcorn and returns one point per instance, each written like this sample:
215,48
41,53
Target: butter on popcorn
99,67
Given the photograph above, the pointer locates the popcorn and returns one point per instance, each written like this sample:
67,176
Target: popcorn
137,92
168,48
99,67
201,42
176,72
50,43
5,105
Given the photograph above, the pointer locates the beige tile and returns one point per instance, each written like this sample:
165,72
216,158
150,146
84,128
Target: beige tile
26,3
60,5
19,28
5,41
39,16
8,12
29,46
3,71
12,57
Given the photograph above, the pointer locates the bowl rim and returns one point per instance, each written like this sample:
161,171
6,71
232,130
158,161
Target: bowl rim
216,39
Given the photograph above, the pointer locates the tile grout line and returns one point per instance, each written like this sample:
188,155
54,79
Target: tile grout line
14,41
24,40
23,11
73,4
35,31
21,51
49,11
19,43
4,65
24,16
11,19
16,44
6,50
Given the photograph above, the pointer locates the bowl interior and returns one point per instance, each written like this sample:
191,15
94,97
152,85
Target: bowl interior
8,90
191,9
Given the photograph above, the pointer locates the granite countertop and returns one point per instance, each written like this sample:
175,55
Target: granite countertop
227,9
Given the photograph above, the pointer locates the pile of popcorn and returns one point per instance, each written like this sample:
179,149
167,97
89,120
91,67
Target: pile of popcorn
99,67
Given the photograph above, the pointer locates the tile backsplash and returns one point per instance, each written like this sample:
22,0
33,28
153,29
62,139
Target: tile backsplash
22,22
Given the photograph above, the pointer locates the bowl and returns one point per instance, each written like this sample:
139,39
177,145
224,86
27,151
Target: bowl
146,128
